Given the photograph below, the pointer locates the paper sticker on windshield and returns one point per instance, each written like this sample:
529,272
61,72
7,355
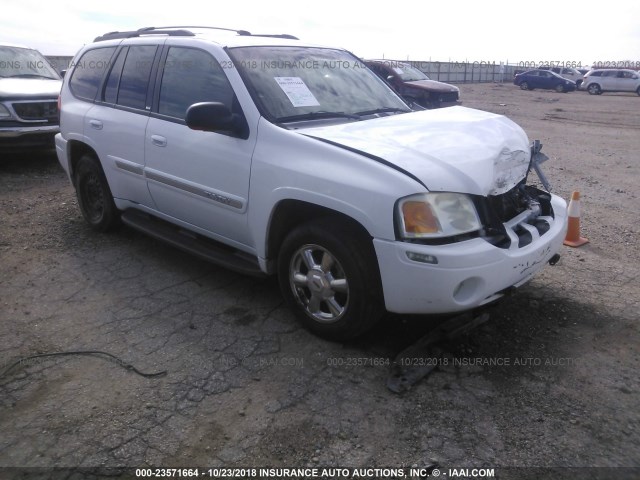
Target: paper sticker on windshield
297,91
399,71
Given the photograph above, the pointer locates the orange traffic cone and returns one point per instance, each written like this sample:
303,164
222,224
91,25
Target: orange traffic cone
573,238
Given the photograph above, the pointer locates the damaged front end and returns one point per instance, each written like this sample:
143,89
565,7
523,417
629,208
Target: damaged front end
520,216
508,219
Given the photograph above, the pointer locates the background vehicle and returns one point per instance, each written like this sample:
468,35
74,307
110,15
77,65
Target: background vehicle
415,86
567,72
29,88
543,79
611,80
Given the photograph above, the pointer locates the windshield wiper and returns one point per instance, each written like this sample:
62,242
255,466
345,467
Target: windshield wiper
317,115
383,110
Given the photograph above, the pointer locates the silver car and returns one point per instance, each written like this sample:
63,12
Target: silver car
611,80
29,88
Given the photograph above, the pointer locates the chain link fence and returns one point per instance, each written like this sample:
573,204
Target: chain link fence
467,72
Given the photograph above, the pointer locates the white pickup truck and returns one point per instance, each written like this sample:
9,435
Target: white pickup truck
268,155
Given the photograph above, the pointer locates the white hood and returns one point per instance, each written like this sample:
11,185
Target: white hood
454,149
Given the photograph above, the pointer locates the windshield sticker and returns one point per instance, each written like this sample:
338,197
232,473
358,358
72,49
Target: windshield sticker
297,91
399,71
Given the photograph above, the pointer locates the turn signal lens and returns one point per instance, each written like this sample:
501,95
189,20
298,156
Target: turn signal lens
419,218
4,113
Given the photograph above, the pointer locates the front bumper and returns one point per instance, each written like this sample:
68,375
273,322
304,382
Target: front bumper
22,138
467,275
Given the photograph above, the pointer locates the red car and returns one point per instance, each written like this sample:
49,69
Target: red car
413,85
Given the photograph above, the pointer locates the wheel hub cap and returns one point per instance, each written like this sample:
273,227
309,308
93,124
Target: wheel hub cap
319,283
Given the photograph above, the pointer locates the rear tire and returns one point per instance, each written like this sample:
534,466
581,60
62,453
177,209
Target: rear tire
94,195
560,88
328,274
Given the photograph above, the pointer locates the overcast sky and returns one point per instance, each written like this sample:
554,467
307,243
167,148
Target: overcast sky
514,31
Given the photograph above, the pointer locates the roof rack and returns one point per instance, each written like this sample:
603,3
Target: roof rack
181,31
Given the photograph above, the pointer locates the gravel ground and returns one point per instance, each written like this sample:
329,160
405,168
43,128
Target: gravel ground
551,380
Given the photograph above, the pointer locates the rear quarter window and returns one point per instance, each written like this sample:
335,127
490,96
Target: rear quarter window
88,72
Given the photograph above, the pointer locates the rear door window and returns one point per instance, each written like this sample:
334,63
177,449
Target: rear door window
113,80
134,80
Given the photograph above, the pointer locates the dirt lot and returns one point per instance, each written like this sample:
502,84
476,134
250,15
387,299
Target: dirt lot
245,386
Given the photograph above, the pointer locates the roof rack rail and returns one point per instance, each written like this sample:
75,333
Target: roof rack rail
181,31
241,32
143,31
275,35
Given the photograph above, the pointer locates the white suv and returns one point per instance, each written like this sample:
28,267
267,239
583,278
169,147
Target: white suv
611,80
271,156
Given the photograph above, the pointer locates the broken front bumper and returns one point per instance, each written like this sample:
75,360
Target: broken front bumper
426,279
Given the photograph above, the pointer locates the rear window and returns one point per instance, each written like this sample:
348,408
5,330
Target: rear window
88,72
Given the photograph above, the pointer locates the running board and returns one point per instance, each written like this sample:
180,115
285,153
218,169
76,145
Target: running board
192,243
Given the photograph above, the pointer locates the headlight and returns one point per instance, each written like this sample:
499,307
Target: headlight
4,112
436,215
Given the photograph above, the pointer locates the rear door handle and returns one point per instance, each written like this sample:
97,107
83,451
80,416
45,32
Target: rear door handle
97,124
159,140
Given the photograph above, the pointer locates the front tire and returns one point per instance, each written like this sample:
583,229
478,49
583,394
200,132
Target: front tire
329,276
524,86
94,195
560,88
594,89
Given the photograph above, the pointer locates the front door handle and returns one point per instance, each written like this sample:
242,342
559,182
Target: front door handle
97,124
158,140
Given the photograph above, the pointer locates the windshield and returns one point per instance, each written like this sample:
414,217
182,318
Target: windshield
408,73
24,63
298,83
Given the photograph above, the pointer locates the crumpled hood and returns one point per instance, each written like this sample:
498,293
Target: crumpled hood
455,149
432,86
25,88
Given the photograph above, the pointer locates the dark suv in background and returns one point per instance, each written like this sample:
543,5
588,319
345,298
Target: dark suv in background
29,89
414,85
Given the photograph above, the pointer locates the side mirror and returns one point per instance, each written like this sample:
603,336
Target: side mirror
390,78
215,117
63,72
